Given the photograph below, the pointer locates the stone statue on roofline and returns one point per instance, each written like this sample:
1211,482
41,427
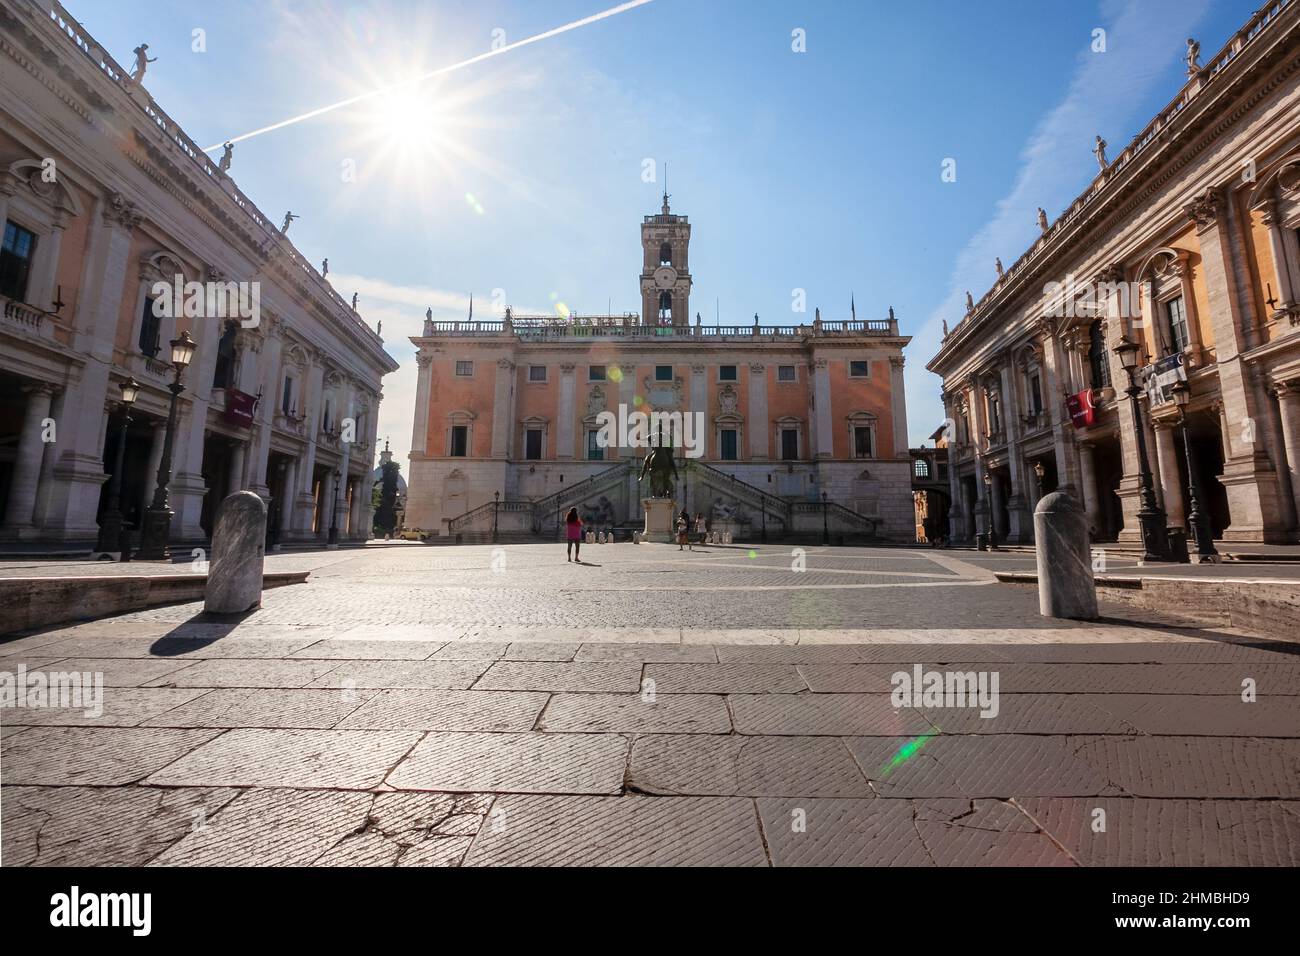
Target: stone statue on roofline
997,264
1099,150
288,218
354,301
227,151
142,61
1193,57
1042,219
970,302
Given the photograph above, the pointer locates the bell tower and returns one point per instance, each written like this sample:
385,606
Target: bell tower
665,268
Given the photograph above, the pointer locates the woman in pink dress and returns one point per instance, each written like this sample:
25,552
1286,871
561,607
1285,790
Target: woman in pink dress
573,535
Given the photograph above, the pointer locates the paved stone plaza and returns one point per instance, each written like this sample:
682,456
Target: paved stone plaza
416,705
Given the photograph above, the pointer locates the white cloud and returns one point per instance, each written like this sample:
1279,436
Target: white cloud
1144,38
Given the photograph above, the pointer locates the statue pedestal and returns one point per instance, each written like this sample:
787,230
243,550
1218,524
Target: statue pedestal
658,519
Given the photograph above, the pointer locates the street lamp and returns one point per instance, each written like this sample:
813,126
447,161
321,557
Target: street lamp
111,525
988,500
1039,472
826,531
333,539
157,527
1151,519
496,504
1200,520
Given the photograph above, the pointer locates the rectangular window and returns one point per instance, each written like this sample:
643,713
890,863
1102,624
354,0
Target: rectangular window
728,449
726,373
859,369
595,373
861,441
533,444
785,373
537,373
663,373
464,368
286,396
150,327
16,261
459,441
789,443
1035,395
1177,324
594,451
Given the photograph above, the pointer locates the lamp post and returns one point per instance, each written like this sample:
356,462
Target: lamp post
496,504
1200,520
158,519
1151,519
826,531
988,500
333,540
1039,472
111,534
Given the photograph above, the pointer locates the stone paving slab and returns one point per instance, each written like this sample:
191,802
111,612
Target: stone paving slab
878,832
363,650
470,651
450,675
412,829
120,707
514,763
558,677
1037,714
706,765
540,651
80,826
433,709
1195,767
263,707
1193,715
103,756
336,759
619,831
724,678
823,715
649,653
631,713
118,672
1171,832
244,673
178,649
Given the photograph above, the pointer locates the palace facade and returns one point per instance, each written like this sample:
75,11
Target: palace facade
804,426
102,195
1185,244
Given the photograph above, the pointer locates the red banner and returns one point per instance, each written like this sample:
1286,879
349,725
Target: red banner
239,407
1082,412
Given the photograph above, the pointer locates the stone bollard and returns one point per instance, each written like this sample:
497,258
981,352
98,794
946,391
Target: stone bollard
238,548
1065,584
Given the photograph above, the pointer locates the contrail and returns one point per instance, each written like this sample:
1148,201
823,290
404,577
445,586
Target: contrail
603,15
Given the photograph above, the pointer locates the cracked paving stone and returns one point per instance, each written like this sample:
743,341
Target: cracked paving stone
649,653
1195,767
1203,715
361,650
514,763
94,826
104,756
342,759
1033,714
1141,832
118,672
412,829
264,707
272,828
121,707
556,677
619,831
246,673
540,651
431,709
629,713
449,675
745,766
724,678
818,715
978,766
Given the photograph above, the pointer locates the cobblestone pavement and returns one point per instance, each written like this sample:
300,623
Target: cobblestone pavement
414,706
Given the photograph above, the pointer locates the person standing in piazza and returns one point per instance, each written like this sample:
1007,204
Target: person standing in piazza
573,536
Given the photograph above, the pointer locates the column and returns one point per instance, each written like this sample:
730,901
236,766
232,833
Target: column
157,437
1088,486
27,465
997,503
311,421
348,409
236,480
268,380
757,424
1288,403
564,427
420,427
1277,246
1020,525
626,398
501,408
821,426
1171,481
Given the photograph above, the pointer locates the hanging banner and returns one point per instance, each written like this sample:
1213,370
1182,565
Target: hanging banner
240,407
1082,412
1161,376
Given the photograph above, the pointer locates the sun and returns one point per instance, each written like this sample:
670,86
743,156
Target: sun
406,121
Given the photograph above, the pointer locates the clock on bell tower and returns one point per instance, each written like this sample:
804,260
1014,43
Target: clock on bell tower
665,269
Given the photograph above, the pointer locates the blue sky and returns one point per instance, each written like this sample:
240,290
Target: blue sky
817,170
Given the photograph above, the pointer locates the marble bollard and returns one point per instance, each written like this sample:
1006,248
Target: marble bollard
238,550
1065,584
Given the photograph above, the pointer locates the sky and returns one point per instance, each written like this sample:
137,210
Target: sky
521,179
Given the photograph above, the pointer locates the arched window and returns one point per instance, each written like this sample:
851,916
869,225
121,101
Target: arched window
665,255
665,306
922,468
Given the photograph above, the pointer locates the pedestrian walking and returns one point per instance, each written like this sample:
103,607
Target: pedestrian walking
573,536
683,539
700,528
